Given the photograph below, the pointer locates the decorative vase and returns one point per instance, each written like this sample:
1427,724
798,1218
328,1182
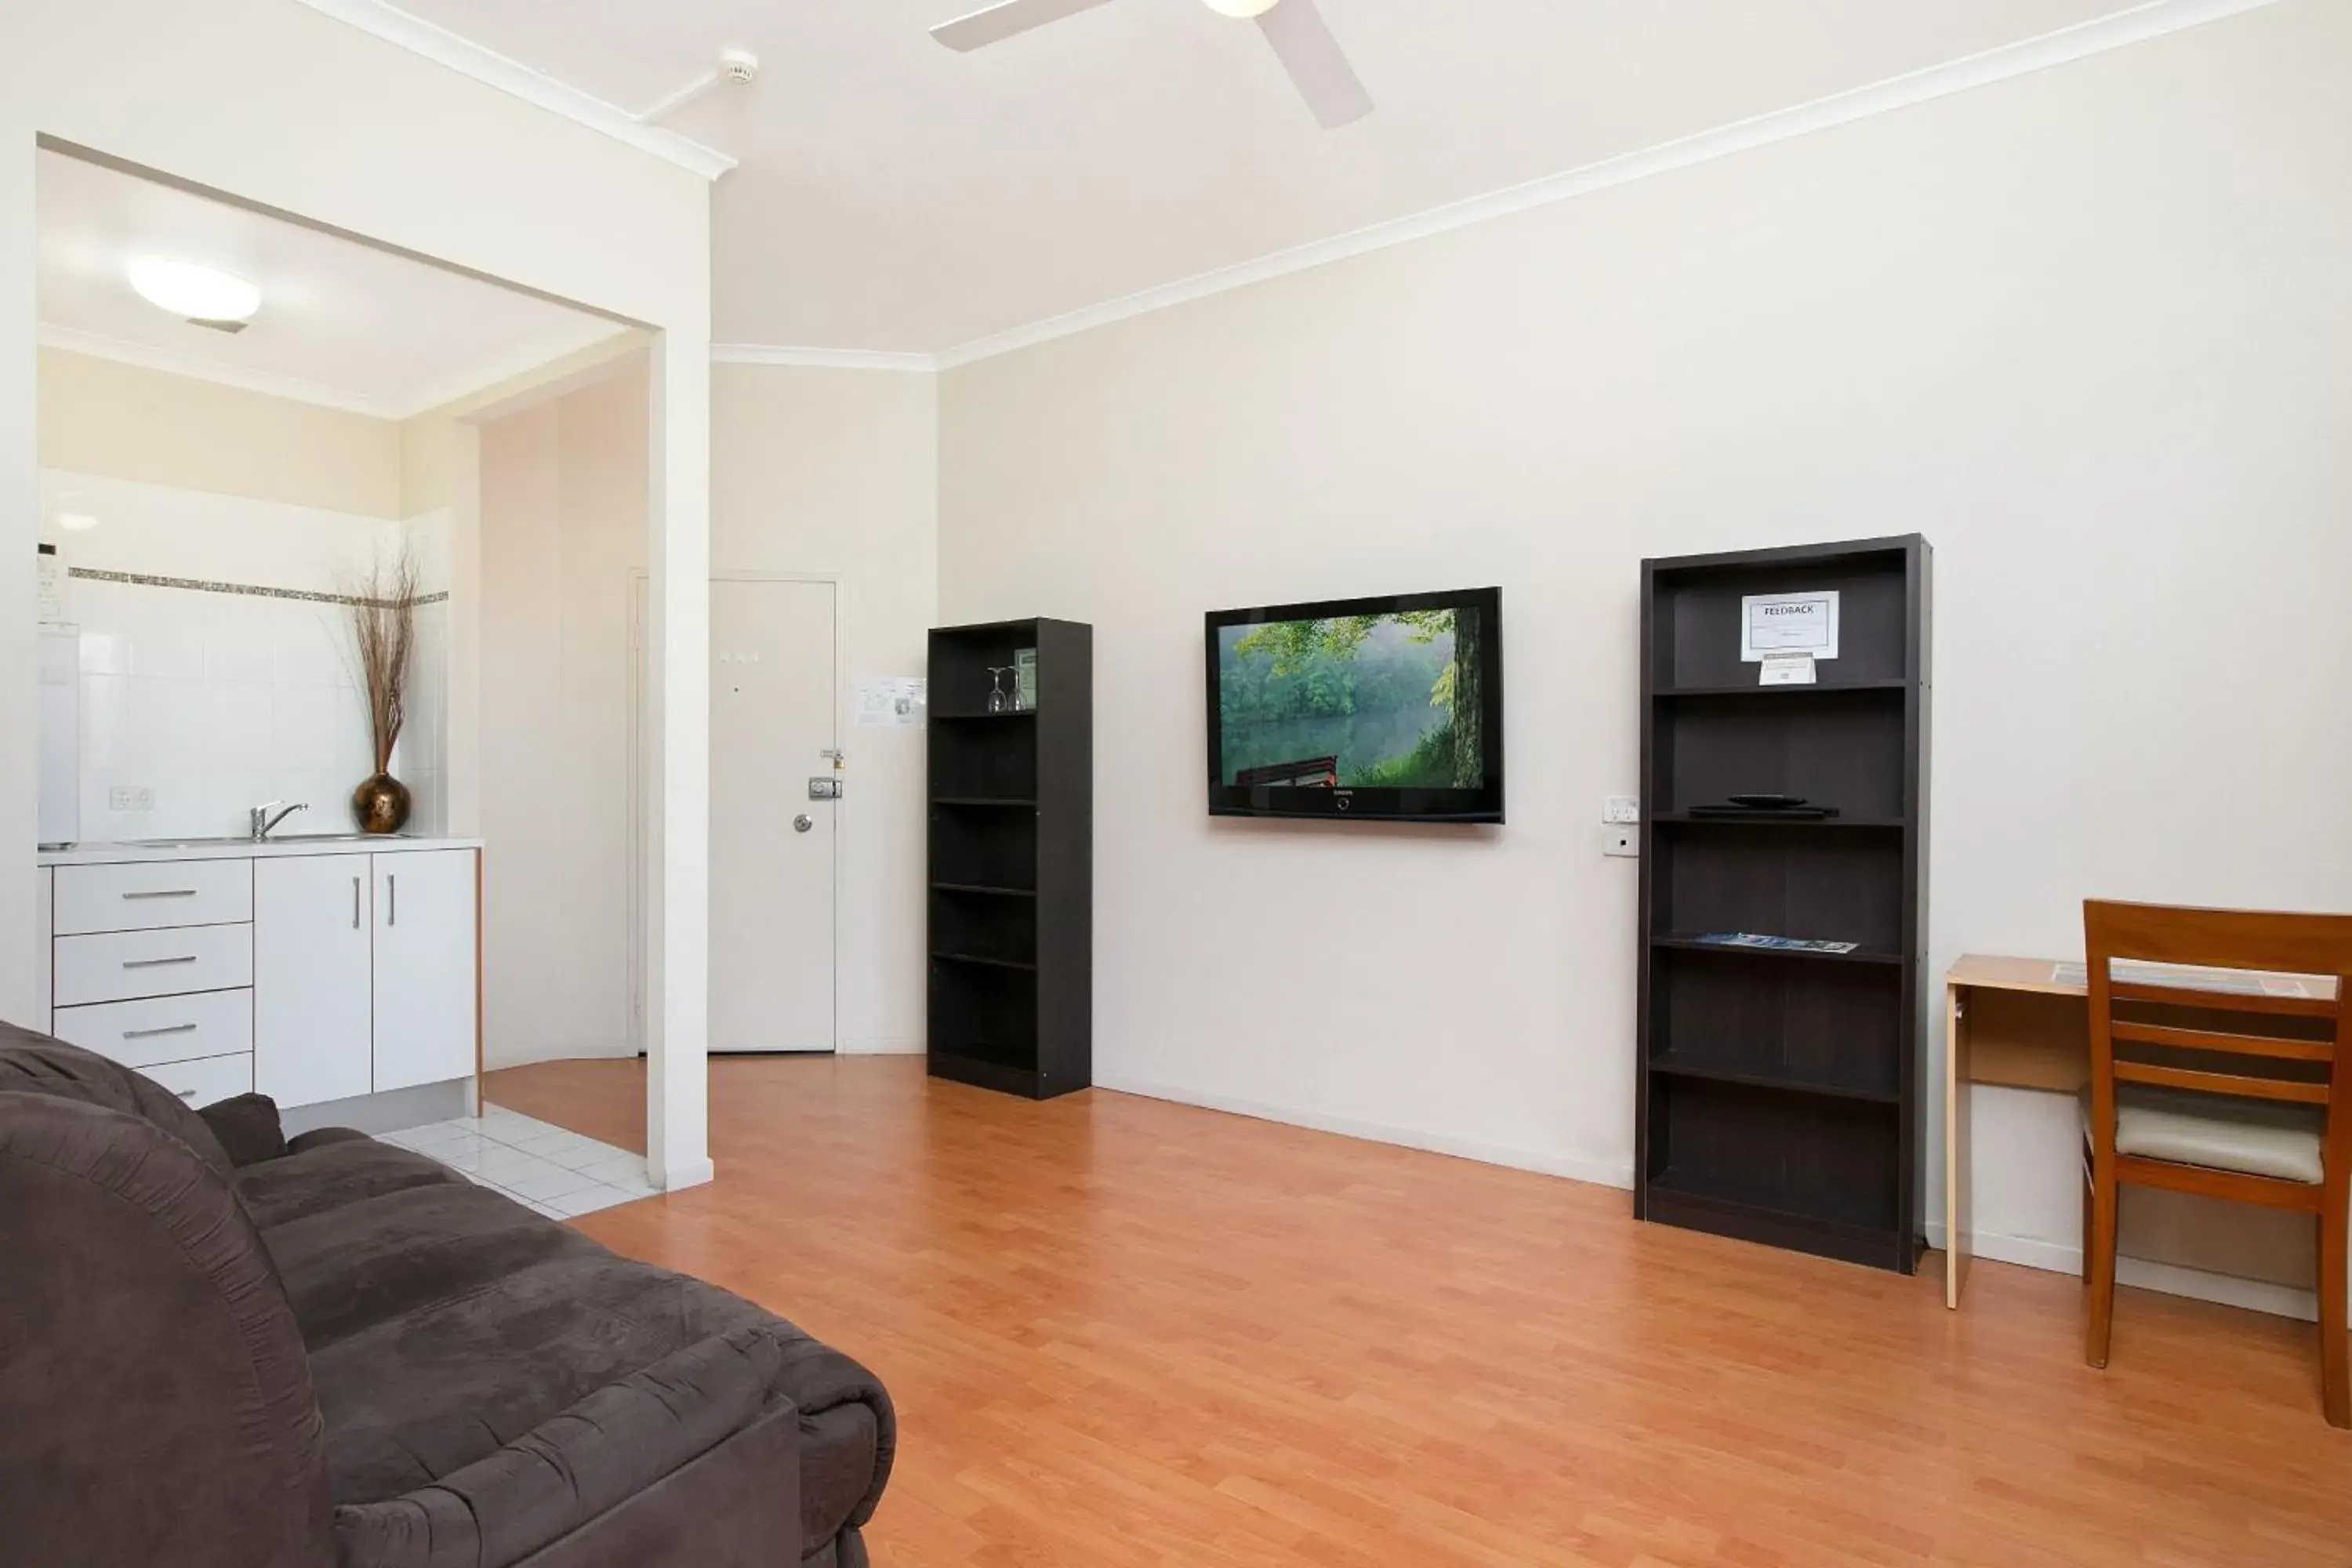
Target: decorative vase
381,805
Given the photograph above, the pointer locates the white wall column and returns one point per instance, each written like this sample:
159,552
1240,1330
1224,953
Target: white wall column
20,516
463,779
678,790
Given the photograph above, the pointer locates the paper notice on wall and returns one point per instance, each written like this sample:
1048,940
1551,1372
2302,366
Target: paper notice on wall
897,703
50,586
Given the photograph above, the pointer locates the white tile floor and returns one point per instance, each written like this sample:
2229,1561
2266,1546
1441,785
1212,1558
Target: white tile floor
558,1172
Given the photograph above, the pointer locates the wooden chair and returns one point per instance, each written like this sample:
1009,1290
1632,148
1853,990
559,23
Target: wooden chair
2242,1093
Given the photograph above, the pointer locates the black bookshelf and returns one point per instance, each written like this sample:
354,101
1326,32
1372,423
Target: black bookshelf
1779,1091
1010,924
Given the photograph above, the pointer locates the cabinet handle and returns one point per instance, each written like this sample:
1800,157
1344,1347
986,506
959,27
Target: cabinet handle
165,893
355,903
392,883
187,1094
155,963
166,1029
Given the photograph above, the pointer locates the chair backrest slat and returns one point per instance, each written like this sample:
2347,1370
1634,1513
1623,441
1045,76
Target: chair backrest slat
2233,1000
2277,1047
2238,1084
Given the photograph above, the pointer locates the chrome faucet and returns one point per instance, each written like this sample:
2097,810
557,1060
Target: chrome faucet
263,821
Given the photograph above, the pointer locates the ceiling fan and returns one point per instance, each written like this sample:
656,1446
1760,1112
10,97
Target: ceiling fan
1296,29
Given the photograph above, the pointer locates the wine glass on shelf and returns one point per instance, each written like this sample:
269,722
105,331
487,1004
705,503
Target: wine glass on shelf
999,699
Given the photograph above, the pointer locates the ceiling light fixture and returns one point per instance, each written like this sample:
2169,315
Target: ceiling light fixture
194,291
76,521
1241,10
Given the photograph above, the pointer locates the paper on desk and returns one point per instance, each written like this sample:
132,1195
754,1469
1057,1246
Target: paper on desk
2235,982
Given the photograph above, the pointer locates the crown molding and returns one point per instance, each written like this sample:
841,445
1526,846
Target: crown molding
821,359
462,55
480,376
2139,24
521,360
98,346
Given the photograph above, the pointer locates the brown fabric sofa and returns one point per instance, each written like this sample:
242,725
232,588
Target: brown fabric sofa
221,1349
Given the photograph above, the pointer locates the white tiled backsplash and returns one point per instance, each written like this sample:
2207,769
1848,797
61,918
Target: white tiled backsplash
208,703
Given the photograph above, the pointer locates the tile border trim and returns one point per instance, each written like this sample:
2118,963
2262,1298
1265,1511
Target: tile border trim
241,590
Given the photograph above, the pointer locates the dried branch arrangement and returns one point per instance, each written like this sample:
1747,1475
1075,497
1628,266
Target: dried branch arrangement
384,627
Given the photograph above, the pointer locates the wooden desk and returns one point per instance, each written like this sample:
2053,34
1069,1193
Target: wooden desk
2023,1022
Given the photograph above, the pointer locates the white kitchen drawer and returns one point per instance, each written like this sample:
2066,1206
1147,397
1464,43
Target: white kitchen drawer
149,894
200,1083
162,1029
119,966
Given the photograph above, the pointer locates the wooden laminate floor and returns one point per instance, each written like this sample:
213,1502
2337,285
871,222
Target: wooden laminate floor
1124,1333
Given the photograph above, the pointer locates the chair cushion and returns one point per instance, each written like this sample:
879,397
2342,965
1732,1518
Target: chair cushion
2221,1132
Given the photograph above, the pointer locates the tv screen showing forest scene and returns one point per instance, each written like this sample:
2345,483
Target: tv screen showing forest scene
1390,696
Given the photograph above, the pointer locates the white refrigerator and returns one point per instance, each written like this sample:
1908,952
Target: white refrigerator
61,809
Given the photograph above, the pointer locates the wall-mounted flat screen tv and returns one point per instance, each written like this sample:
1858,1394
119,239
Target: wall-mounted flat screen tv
1370,709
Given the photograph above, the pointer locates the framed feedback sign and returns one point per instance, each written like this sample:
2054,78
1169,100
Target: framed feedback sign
1776,625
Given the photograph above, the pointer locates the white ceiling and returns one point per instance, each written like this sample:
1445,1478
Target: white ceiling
341,322
895,196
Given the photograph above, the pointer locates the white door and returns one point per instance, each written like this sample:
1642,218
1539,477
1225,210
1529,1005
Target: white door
423,967
311,942
772,847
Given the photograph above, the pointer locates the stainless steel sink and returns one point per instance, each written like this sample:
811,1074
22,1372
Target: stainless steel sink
240,838
181,843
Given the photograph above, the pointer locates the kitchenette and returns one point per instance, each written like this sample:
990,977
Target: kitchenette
321,972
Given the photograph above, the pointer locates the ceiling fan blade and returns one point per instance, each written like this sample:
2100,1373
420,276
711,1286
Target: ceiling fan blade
991,24
1314,59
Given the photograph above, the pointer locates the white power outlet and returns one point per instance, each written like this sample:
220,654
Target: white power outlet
1620,809
1620,841
130,797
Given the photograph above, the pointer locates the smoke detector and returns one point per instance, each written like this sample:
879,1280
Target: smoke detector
739,68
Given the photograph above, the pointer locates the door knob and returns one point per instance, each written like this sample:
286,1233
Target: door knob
802,823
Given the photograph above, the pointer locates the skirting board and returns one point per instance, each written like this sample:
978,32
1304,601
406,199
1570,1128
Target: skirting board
702,1172
881,1045
2172,1278
1599,1173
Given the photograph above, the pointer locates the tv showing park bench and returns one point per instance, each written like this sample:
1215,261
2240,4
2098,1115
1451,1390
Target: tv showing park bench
1387,709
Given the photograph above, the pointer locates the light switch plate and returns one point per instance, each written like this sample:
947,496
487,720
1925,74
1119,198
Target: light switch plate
1619,842
1620,809
130,797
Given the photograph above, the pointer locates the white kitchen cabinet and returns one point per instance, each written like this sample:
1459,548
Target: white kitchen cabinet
154,1030
205,1082
152,895
425,954
307,973
313,943
44,962
116,966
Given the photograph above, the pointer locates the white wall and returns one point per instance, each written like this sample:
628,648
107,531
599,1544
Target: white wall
836,473
562,525
284,106
214,699
2089,331
129,422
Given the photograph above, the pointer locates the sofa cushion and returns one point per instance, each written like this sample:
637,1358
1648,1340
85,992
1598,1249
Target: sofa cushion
318,1178
445,1321
247,1128
621,1441
35,1063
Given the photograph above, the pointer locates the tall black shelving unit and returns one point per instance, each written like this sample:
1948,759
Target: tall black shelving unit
1779,1091
1011,862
